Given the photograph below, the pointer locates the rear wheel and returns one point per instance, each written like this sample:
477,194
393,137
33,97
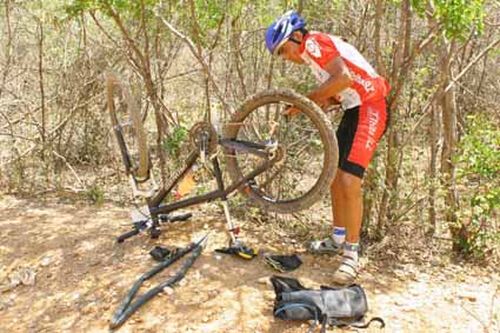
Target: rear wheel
307,142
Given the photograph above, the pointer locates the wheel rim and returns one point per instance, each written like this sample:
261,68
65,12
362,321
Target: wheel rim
299,172
133,134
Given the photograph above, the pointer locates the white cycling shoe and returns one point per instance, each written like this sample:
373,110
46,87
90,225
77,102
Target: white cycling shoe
326,245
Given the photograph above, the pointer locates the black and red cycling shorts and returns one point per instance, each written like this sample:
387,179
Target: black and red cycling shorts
358,135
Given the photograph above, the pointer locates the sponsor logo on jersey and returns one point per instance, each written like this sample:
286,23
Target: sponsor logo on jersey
313,48
373,119
367,85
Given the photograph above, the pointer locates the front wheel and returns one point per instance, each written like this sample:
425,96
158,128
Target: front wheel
307,142
128,129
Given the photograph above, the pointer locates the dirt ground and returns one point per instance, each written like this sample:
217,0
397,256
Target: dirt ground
62,271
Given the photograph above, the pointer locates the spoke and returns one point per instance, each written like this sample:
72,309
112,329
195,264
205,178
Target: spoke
297,174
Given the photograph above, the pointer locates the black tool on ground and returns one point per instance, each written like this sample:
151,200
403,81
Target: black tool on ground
160,253
283,263
240,250
341,307
147,223
127,308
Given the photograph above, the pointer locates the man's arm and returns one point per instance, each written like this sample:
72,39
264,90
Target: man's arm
340,79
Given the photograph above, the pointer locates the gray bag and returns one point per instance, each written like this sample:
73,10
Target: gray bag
331,306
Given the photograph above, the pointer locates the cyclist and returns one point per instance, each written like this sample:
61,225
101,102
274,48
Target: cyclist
345,77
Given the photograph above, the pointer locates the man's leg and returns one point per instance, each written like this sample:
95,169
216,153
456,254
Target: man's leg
334,244
358,134
369,126
347,204
345,135
337,199
338,218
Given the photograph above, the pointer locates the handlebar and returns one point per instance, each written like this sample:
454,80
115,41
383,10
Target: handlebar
180,217
143,225
126,235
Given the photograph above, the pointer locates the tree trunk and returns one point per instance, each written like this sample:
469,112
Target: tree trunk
449,116
434,144
378,23
300,6
8,47
42,88
369,191
392,159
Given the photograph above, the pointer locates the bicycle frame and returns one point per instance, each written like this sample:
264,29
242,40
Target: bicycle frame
154,202
269,153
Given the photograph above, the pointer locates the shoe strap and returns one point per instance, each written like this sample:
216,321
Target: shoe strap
349,266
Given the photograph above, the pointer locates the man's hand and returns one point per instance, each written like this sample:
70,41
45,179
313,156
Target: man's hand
324,104
340,79
291,111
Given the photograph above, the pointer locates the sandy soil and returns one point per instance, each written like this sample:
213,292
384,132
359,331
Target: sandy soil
61,271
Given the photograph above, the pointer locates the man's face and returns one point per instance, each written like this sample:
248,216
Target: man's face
290,50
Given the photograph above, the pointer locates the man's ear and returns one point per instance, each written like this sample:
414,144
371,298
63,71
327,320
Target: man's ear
297,35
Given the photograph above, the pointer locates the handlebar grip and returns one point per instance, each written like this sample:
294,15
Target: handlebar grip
126,235
180,217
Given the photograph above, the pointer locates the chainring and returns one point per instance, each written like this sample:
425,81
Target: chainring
203,131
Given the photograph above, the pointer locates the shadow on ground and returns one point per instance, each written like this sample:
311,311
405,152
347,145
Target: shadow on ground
81,275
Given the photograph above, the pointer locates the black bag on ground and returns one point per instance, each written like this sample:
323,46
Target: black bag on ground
283,263
329,306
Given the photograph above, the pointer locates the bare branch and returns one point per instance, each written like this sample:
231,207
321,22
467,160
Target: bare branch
69,167
198,56
475,60
438,93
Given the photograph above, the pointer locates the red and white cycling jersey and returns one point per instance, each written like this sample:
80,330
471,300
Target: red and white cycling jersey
318,49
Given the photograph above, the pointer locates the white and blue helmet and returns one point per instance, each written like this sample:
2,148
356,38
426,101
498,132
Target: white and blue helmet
282,29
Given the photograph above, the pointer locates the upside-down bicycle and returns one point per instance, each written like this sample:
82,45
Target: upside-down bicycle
281,164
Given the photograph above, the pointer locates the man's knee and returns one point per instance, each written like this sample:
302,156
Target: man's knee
336,184
347,185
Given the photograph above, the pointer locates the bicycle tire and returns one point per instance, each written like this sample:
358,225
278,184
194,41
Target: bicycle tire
138,166
320,122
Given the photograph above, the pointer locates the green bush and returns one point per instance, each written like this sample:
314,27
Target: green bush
172,144
478,169
95,194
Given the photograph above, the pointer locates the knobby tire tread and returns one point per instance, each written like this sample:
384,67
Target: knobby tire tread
327,135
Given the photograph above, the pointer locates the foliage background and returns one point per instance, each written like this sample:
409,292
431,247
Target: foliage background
435,175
